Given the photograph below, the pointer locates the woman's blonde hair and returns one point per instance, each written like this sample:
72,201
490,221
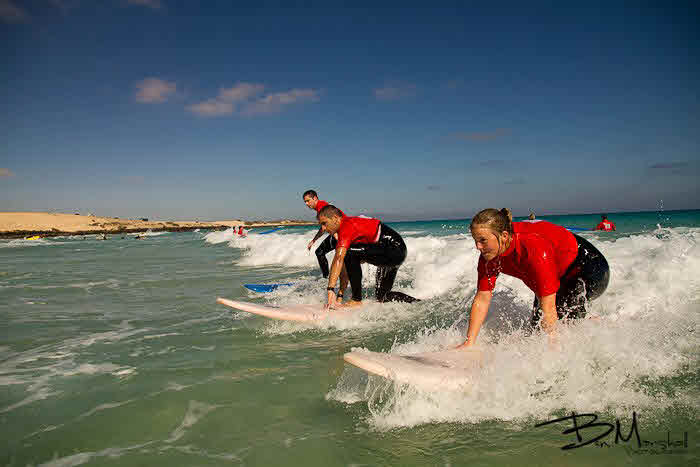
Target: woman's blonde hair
497,221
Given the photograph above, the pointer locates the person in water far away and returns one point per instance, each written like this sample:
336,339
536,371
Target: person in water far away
363,240
605,224
312,202
563,269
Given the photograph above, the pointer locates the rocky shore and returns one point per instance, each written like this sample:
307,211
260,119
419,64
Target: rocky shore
45,224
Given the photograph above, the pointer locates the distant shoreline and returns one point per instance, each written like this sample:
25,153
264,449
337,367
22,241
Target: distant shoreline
45,224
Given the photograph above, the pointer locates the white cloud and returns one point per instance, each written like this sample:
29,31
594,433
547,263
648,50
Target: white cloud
273,103
212,108
240,92
153,4
6,173
242,99
10,13
395,92
154,90
223,103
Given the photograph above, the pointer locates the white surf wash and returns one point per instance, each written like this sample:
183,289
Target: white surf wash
616,363
219,236
440,270
433,266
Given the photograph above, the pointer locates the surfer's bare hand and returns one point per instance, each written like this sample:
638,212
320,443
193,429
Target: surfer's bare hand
311,243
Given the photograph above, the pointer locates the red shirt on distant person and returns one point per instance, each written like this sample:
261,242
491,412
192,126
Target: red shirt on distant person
605,225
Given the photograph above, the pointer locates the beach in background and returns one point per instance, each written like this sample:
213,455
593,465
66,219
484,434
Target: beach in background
46,224
116,353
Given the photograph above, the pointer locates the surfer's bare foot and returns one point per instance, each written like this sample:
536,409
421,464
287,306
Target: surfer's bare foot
350,304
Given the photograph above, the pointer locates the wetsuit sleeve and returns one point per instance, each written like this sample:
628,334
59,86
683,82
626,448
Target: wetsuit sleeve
541,267
486,276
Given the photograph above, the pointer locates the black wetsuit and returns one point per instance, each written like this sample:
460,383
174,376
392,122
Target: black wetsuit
387,254
326,246
585,279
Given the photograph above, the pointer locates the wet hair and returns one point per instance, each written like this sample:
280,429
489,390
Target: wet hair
603,216
497,221
329,211
311,193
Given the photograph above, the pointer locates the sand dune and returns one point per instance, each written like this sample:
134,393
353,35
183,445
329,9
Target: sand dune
19,224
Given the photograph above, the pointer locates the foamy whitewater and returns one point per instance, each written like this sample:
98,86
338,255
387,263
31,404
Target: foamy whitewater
115,351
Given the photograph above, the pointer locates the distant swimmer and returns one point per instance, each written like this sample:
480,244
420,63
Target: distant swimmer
363,240
531,217
312,202
564,270
605,224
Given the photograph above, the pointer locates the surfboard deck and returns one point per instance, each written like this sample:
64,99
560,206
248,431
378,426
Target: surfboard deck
313,313
453,368
264,288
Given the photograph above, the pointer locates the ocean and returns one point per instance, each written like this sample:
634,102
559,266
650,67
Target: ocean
115,353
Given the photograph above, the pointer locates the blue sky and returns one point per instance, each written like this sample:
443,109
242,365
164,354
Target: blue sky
182,110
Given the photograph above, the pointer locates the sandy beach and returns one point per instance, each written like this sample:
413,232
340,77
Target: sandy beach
46,224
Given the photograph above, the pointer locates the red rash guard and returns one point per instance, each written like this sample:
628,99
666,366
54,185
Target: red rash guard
320,204
357,230
539,254
605,225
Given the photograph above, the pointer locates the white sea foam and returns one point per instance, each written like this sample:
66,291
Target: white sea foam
39,367
21,243
150,233
83,457
195,412
219,236
645,334
276,249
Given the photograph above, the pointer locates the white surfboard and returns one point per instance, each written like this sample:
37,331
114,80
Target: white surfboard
302,313
448,369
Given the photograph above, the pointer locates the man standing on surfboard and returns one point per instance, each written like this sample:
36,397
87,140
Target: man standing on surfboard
312,202
363,240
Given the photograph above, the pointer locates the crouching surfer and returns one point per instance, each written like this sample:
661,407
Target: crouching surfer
362,240
562,269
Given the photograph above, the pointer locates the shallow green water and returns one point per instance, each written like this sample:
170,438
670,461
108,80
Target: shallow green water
115,353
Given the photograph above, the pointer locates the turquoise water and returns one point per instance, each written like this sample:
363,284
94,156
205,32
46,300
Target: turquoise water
115,353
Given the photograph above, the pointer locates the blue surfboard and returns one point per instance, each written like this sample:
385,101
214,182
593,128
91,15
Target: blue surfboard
270,231
264,288
577,229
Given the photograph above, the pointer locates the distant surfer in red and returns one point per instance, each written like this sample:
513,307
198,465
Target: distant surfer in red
312,202
562,269
363,240
605,224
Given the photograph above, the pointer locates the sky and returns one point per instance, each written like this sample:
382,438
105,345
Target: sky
209,110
